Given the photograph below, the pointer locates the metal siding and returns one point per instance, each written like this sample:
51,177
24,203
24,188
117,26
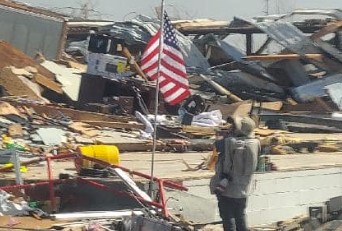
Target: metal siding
288,36
31,32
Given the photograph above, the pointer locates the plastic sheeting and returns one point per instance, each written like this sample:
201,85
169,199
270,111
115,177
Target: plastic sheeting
8,207
148,132
208,119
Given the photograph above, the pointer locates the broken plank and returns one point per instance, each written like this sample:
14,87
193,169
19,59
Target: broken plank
137,147
84,129
273,106
76,65
304,107
11,56
118,125
76,115
48,83
305,118
13,85
8,109
235,109
205,131
278,57
330,28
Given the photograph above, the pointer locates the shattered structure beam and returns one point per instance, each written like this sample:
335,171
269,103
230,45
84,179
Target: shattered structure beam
304,119
249,44
242,30
330,28
278,57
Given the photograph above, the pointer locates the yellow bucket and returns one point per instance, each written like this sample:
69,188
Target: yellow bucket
107,153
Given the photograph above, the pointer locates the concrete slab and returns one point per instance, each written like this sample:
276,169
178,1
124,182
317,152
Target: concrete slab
52,136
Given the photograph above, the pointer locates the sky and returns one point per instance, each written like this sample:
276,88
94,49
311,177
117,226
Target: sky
186,9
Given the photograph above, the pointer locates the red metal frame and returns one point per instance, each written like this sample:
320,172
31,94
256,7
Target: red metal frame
161,182
167,183
119,193
32,185
51,185
163,198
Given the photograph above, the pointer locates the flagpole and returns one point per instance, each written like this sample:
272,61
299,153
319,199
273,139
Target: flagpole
161,42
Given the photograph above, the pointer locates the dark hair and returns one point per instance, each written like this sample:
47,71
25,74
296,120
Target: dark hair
231,121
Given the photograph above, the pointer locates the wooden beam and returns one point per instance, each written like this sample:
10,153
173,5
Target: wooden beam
14,86
130,58
118,125
48,83
76,115
278,57
330,28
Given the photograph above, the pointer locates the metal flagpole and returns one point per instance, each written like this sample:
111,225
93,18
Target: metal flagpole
161,43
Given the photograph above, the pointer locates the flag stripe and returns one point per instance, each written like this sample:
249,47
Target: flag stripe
174,54
170,79
167,87
151,45
150,70
171,76
172,91
174,73
173,66
150,59
175,94
181,97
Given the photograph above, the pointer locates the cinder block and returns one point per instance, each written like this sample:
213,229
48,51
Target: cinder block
319,212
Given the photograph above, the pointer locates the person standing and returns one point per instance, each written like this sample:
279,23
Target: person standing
233,174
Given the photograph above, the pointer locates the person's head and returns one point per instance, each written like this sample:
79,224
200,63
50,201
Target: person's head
245,126
230,120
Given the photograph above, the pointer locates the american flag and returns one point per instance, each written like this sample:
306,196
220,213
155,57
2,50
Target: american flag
173,80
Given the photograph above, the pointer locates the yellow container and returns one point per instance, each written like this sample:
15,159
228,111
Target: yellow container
107,153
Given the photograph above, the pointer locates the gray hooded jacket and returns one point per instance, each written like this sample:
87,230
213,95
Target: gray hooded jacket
240,162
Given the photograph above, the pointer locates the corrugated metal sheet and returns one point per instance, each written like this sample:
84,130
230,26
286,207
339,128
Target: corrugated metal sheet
293,39
335,13
315,89
288,36
31,32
